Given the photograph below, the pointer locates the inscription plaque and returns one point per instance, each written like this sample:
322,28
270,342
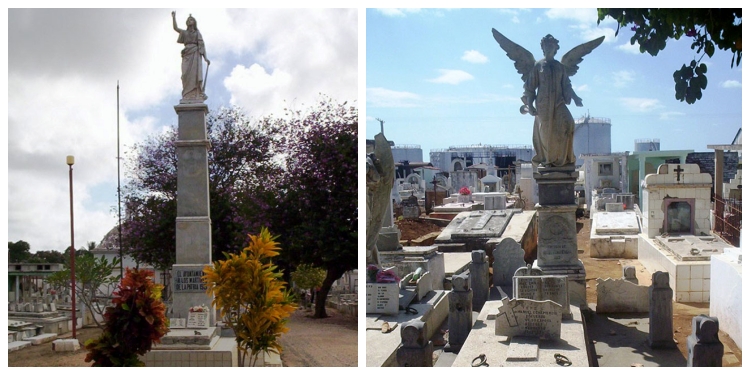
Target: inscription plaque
188,280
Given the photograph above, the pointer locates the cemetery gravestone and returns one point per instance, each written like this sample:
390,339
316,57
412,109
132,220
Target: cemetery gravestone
415,349
704,347
382,298
410,207
660,333
459,312
508,257
542,288
198,319
621,296
628,274
480,279
523,317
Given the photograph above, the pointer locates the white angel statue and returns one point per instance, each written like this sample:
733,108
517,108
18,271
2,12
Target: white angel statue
547,92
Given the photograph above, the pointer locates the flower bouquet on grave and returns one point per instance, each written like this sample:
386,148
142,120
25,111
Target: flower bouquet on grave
201,308
387,277
464,195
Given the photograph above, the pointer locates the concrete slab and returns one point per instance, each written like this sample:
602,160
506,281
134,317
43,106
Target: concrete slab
41,339
17,345
66,345
456,263
625,222
482,340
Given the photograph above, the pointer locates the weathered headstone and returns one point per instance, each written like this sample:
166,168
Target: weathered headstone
177,323
660,333
528,271
382,298
704,347
198,319
621,296
508,257
416,348
542,288
480,279
524,317
628,274
459,311
495,202
410,207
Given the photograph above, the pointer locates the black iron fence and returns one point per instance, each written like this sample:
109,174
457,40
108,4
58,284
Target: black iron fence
728,219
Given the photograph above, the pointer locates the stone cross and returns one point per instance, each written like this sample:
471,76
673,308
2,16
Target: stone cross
678,170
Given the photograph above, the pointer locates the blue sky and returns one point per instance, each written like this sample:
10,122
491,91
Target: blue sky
438,78
63,68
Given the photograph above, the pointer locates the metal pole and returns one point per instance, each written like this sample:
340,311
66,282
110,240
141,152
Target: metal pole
119,203
72,249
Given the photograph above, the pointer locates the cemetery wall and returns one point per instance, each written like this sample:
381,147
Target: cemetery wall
726,292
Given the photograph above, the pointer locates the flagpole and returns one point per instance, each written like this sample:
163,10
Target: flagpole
119,203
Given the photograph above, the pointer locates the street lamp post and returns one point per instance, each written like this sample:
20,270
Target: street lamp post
71,160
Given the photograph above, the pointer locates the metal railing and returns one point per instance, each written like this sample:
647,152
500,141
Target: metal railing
728,219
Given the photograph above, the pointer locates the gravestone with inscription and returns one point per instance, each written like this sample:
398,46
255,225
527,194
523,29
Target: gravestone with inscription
542,288
480,279
525,317
628,274
508,257
660,316
481,224
410,207
382,298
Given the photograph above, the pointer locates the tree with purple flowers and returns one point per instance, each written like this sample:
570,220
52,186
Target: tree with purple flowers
242,172
317,215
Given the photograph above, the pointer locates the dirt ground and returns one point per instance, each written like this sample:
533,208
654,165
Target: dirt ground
330,342
612,268
413,229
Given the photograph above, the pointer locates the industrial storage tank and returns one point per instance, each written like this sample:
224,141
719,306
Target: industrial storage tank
647,145
593,135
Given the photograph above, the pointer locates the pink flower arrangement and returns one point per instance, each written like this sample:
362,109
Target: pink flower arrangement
464,191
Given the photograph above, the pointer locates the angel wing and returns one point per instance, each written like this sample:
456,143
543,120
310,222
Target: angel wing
523,59
574,57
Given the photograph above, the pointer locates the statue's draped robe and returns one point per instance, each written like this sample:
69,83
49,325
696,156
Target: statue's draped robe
192,67
553,124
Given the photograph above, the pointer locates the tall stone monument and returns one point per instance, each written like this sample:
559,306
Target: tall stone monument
193,232
547,91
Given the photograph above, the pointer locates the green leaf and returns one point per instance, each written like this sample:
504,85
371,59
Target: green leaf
125,307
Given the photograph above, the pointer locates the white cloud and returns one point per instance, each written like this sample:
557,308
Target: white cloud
580,15
383,98
451,76
634,49
641,104
731,84
622,78
397,12
515,19
253,85
474,56
582,88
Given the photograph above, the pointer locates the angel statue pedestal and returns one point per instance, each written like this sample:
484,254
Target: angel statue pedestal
557,247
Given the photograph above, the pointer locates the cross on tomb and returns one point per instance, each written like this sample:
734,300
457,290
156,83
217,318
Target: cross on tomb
678,170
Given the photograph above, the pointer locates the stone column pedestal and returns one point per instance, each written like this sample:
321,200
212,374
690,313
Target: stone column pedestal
193,226
557,246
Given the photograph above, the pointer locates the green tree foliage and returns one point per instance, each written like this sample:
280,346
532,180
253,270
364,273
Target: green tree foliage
307,277
48,256
95,280
18,252
252,298
133,324
709,28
